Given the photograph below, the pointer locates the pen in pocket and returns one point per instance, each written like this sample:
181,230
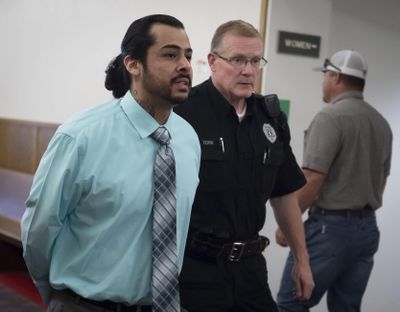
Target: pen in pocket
221,142
266,155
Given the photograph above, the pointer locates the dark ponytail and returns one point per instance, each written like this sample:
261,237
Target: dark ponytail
117,77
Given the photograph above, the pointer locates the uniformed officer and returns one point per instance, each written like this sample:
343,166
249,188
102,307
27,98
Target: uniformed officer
246,159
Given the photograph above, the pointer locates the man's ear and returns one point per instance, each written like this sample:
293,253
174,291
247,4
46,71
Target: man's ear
211,61
133,66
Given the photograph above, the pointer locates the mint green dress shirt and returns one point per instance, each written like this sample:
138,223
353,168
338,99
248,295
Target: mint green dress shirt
88,222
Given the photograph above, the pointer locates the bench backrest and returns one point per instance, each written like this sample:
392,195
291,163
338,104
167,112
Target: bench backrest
22,143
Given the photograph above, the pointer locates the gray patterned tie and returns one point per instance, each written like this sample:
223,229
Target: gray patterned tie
165,263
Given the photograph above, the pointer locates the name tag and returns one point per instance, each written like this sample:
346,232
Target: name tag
212,148
209,142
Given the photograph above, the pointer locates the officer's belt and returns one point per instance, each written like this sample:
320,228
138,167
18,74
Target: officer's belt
212,249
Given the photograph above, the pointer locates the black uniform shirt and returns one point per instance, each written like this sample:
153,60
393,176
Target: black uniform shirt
242,164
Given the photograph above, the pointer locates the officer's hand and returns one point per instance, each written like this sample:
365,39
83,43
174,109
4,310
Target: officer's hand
280,238
303,281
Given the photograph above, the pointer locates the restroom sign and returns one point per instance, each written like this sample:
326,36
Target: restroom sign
299,44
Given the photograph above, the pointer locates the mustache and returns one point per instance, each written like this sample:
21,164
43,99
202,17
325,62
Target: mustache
185,76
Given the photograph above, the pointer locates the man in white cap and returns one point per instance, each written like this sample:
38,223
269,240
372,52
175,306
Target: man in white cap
346,161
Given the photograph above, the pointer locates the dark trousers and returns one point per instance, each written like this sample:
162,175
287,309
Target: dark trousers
61,301
223,286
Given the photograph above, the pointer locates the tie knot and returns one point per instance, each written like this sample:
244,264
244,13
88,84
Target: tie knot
161,135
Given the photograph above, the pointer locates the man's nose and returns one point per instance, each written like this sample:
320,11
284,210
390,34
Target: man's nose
184,64
248,68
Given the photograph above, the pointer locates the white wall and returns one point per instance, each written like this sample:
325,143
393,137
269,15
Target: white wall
291,77
54,52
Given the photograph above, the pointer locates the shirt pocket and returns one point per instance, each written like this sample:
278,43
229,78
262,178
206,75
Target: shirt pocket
214,173
272,158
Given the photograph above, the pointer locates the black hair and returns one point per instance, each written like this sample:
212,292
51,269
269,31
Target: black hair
136,43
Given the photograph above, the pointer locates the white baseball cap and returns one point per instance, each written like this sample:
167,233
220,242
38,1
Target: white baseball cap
346,62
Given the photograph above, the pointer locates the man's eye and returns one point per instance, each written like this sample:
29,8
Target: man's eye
170,55
255,61
189,57
237,60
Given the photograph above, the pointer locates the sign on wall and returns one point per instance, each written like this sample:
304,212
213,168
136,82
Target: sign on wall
299,44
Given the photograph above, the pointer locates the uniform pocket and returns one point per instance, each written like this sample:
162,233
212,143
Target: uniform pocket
214,173
212,149
270,161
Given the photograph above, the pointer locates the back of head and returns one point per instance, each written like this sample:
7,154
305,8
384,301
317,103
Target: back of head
237,27
350,64
136,42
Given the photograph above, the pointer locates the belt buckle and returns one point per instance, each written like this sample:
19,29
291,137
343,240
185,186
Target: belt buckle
236,252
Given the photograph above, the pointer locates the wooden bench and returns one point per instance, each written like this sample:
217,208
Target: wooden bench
14,189
22,144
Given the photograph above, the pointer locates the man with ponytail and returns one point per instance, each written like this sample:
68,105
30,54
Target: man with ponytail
87,231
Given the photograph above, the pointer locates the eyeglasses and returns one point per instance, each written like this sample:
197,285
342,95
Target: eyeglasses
241,61
327,63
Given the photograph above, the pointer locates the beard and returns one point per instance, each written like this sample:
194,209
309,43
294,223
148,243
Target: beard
162,88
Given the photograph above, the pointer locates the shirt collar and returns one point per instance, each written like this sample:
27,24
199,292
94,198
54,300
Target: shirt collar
140,119
349,94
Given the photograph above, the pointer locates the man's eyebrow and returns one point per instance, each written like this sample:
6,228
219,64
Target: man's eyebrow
174,46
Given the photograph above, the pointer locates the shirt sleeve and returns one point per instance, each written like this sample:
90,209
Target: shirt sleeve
290,177
321,142
54,192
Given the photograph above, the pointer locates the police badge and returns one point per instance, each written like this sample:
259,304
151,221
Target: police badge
269,132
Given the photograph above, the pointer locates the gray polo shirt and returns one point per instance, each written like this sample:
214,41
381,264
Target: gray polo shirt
350,142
